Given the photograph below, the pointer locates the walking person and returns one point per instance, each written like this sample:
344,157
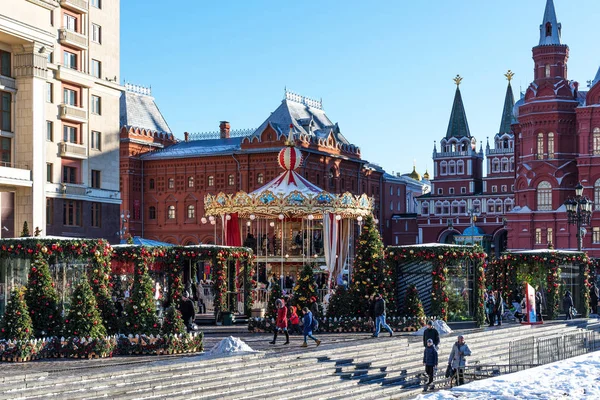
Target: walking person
567,304
431,334
538,306
489,308
457,359
379,311
594,297
308,327
499,307
430,361
187,311
282,321
294,321
314,309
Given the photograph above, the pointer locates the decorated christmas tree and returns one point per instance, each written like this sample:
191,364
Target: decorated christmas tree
84,319
42,299
25,231
140,308
16,324
305,288
339,303
173,323
99,277
413,307
275,294
371,274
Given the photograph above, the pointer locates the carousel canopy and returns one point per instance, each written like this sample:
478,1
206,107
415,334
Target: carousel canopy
289,194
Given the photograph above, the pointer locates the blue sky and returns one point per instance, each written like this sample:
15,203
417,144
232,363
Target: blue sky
383,69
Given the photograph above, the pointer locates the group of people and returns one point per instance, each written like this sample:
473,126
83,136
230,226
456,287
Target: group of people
456,361
494,307
287,316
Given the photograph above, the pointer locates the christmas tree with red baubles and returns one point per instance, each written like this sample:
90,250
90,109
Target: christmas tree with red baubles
413,307
42,299
84,319
16,324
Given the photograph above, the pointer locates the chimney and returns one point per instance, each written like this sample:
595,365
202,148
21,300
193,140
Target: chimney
224,129
186,135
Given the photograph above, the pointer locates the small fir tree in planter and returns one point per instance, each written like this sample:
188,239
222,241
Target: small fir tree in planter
25,231
17,322
276,293
413,307
305,287
140,307
42,299
173,323
339,303
84,319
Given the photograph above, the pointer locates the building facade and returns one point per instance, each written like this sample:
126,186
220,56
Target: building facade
59,74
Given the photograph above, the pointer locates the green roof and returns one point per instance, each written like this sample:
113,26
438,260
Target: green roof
458,126
507,112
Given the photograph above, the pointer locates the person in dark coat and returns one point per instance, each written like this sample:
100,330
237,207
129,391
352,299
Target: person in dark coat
430,361
379,312
489,308
538,306
499,308
594,296
314,309
567,304
431,334
187,310
307,320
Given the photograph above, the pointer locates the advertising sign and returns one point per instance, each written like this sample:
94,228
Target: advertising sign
530,304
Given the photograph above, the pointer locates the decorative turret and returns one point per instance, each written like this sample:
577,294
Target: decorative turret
550,29
509,103
290,158
458,126
426,175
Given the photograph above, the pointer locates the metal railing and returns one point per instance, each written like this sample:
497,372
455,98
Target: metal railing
539,351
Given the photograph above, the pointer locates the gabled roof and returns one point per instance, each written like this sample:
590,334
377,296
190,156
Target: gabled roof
553,36
458,126
196,148
138,109
507,112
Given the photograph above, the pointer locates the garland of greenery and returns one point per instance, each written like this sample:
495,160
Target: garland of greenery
585,285
479,292
99,277
140,307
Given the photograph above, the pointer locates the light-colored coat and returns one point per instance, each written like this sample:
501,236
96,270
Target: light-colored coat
457,355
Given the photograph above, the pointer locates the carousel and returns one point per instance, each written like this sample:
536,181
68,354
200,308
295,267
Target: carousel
289,222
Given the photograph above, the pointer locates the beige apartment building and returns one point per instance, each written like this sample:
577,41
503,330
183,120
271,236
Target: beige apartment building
59,117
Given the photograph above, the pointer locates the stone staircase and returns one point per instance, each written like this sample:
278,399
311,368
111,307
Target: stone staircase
358,369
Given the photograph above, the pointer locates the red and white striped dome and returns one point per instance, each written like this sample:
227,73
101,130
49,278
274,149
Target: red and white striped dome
290,158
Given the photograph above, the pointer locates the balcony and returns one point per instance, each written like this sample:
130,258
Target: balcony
500,151
15,175
72,113
104,195
80,6
72,39
72,150
68,74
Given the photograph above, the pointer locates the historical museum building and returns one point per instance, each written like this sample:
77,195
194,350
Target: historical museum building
59,118
164,181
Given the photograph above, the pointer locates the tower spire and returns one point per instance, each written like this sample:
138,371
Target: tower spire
509,104
550,29
458,125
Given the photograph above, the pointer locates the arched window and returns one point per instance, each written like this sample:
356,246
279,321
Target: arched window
508,205
191,182
211,180
455,208
446,208
260,178
499,206
424,208
505,165
391,206
230,180
399,206
551,145
596,141
460,167
512,164
451,168
438,208
540,146
544,196
443,168
477,205
462,208
151,184
171,212
495,165
597,195
191,212
491,207
171,183
152,212
547,70
391,190
398,192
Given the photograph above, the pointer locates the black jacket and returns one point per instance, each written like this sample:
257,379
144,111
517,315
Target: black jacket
187,311
567,303
379,308
432,334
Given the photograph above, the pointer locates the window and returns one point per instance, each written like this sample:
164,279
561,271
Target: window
5,112
211,180
191,212
446,208
538,235
96,215
495,165
505,165
70,97
72,213
5,63
96,68
549,236
49,92
49,131
596,234
230,180
451,191
260,178
70,60
96,179
50,57
596,141
70,134
191,182
425,208
504,188
171,183
391,206
69,174
151,183
463,190
551,145
540,146
49,168
70,22
96,33
96,3
5,151
96,105
494,189
399,206
544,196
152,212
443,167
451,168
548,70
96,140
460,167
49,211
171,212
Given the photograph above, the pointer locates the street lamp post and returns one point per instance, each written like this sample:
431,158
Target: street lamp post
125,217
579,212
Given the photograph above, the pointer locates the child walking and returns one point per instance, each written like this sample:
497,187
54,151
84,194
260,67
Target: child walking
430,361
281,324
294,321
308,326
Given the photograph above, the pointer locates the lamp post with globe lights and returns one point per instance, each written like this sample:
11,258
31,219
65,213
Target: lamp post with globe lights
579,212
125,217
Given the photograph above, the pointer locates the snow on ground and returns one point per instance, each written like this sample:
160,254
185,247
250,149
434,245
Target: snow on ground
574,378
230,345
441,326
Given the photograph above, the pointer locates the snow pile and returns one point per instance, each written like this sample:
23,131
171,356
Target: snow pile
230,345
575,378
441,326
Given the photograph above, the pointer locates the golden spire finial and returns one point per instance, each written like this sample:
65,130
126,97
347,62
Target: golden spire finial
509,75
290,138
458,80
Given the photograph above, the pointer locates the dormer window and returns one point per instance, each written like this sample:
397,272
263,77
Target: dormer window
548,29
